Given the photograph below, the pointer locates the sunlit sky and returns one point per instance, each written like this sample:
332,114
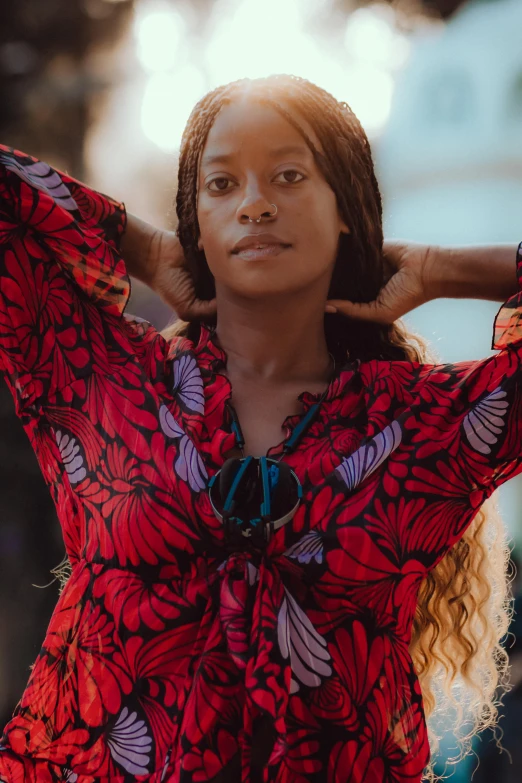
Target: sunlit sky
241,41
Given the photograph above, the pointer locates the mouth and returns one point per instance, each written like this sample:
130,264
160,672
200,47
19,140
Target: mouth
261,251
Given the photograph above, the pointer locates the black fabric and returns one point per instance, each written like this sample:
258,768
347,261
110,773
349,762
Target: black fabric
264,736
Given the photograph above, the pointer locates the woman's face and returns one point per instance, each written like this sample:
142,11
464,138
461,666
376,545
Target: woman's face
256,174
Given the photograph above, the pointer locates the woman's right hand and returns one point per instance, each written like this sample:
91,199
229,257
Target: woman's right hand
172,280
156,258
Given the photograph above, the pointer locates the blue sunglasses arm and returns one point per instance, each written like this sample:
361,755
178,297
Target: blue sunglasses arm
230,497
265,505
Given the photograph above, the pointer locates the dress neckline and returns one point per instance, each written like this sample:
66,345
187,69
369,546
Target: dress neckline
209,341
210,350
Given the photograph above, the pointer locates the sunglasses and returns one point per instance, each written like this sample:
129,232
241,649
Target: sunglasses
253,497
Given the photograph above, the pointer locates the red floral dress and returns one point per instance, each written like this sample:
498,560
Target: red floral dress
167,658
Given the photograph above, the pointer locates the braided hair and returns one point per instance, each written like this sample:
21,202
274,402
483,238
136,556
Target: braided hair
347,166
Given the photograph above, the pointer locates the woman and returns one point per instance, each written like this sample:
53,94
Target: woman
215,627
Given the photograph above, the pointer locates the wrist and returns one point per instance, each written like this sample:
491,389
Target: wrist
439,276
447,277
474,272
139,249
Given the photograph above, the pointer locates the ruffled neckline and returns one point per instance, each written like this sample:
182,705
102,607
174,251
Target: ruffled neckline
210,351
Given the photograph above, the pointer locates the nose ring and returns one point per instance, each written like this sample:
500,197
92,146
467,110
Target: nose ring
258,220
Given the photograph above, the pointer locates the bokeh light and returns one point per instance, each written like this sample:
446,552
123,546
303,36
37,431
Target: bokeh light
169,98
370,96
158,29
358,68
249,43
371,37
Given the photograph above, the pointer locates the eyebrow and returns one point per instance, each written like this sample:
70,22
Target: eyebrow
289,149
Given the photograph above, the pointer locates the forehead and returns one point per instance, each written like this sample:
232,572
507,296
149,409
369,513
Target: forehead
248,127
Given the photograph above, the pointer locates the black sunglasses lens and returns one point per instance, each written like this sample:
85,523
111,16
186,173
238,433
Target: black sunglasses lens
248,489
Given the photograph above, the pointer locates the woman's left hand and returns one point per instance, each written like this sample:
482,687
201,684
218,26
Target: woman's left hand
407,285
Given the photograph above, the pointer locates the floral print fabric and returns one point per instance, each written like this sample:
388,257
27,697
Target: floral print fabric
168,658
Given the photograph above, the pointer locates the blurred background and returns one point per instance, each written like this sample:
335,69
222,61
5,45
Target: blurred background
102,89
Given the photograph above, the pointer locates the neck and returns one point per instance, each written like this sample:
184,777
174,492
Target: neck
280,343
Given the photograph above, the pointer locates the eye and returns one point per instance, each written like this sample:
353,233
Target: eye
219,189
217,179
293,171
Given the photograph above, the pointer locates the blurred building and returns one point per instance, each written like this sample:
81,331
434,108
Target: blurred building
450,164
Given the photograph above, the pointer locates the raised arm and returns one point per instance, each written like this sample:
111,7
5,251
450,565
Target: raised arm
473,272
61,275
64,248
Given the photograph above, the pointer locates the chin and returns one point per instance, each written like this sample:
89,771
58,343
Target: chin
259,293
257,283
265,280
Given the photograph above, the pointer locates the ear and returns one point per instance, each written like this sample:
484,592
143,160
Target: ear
200,244
345,229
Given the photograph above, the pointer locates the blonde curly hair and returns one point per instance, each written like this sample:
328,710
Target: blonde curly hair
464,610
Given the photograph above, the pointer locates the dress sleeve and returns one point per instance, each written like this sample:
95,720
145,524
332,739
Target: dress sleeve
466,431
62,277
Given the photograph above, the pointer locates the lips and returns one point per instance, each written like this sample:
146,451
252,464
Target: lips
258,254
251,241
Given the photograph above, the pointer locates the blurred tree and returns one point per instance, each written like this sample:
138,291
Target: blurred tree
441,9
46,93
30,545
45,83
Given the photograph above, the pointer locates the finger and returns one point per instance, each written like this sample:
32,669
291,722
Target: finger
363,311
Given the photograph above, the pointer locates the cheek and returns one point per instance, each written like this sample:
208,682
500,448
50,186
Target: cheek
319,243
210,239
319,221
207,220
219,260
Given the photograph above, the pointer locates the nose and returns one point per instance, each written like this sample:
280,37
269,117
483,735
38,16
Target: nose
254,204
